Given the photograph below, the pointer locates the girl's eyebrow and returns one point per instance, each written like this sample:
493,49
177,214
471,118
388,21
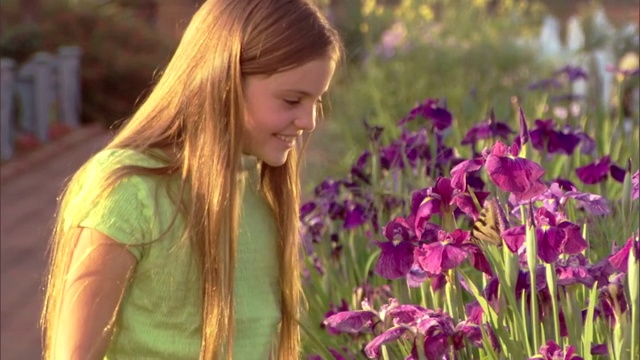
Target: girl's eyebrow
303,92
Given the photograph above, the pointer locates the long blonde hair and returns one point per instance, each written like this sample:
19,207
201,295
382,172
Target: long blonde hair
196,110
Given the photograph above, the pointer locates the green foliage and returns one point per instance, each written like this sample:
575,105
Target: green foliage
20,41
455,52
119,59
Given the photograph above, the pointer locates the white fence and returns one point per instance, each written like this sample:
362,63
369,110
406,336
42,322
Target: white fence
596,61
38,93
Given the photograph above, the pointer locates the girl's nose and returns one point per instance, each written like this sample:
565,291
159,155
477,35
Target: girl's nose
306,121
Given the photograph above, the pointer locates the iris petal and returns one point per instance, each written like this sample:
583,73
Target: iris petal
395,260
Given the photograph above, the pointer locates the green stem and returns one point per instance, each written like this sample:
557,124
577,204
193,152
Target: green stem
454,296
448,222
425,300
532,261
634,295
553,292
354,260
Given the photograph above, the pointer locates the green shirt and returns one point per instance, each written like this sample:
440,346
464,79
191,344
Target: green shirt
160,315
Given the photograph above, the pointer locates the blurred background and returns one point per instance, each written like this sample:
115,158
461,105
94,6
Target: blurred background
73,70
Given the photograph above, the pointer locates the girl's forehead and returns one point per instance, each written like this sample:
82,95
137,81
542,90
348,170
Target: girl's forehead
311,78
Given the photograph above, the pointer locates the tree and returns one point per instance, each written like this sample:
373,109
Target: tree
30,10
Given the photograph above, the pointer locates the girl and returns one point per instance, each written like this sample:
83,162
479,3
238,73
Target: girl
180,240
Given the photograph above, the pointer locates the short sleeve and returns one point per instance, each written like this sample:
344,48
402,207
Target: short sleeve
124,213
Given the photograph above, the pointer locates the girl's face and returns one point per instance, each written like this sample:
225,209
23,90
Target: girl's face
280,107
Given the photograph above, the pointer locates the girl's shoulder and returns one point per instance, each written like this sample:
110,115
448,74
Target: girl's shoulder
130,207
110,159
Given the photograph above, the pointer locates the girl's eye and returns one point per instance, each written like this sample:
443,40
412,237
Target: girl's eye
292,101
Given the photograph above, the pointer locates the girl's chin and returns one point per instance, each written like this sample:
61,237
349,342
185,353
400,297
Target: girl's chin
274,160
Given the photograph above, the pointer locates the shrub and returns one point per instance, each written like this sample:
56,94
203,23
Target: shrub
120,54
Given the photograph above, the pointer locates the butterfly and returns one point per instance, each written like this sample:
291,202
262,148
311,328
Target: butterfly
490,224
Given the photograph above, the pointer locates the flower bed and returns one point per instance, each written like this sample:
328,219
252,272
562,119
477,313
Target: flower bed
527,248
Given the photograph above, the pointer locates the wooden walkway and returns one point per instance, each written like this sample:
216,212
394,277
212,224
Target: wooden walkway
29,188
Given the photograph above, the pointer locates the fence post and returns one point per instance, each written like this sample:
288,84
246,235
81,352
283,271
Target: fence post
7,80
25,89
45,96
69,84
549,39
577,56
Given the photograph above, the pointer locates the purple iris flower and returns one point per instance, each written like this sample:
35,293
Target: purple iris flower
572,73
465,203
487,129
437,328
594,172
439,331
620,260
575,269
391,156
514,174
514,238
359,172
396,256
565,185
356,214
416,276
435,200
603,270
555,199
438,282
588,144
445,254
613,301
546,137
474,312
359,321
552,351
635,180
372,349
523,282
599,349
617,173
409,314
416,146
312,225
490,293
334,309
567,73
597,171
352,322
339,354
556,236
459,172
328,189
592,203
473,333
430,109
413,145
477,258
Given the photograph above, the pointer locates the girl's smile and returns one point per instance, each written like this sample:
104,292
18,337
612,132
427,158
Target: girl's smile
289,140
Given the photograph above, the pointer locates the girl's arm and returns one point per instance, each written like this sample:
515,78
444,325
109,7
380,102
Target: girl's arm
98,275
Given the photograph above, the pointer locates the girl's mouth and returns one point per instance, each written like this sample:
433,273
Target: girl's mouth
287,139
